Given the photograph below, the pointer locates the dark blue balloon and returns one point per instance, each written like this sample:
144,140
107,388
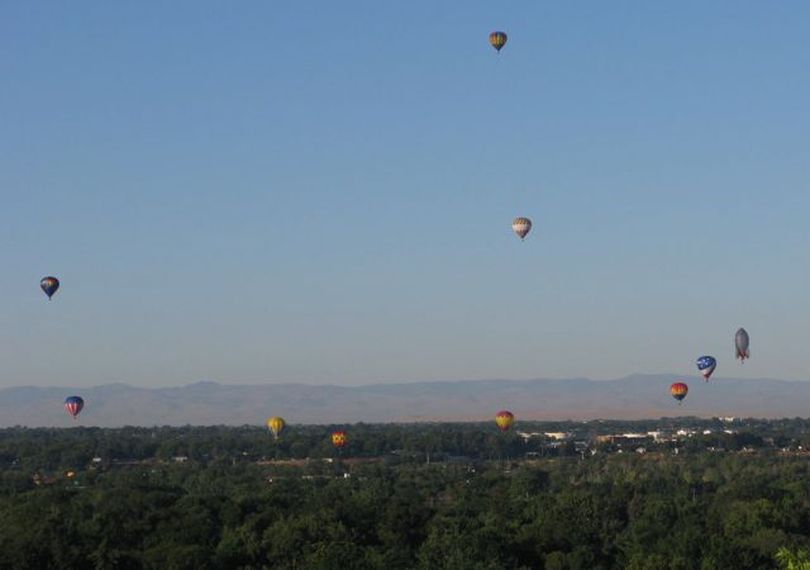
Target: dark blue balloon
49,285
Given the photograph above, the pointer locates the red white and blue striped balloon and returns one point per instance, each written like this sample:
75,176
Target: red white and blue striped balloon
74,405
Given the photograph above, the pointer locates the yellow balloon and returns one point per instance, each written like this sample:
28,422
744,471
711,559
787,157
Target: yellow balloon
504,419
276,425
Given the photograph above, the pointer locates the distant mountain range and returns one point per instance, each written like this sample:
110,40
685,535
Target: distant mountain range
207,403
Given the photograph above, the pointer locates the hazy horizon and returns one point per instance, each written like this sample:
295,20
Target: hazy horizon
211,403
686,377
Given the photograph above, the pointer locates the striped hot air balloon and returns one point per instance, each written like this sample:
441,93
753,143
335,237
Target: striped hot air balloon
339,439
497,40
276,425
522,227
679,391
74,405
504,420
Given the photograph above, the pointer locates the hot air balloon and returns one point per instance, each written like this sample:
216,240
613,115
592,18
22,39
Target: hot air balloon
504,419
706,365
741,342
74,405
49,285
521,226
339,439
497,40
276,425
679,391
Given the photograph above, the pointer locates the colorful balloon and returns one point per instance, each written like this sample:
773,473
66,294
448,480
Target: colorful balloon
706,365
504,419
74,405
497,40
276,425
339,439
49,285
679,391
521,226
741,342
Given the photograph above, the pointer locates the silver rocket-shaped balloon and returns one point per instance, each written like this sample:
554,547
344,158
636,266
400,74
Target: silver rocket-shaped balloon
741,342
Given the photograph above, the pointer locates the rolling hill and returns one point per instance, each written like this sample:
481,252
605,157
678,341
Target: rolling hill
633,397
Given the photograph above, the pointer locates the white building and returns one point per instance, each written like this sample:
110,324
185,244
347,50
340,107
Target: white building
558,435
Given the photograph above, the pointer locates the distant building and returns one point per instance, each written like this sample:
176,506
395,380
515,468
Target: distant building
40,480
528,435
658,435
626,438
558,435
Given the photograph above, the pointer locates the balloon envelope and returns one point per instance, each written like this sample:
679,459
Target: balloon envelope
522,227
504,419
74,405
679,390
49,285
497,40
706,365
276,425
339,439
741,342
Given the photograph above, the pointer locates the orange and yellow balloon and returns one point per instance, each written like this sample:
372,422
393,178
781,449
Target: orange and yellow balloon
679,391
339,439
276,425
497,40
504,419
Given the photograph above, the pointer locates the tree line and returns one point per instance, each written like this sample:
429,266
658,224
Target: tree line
694,510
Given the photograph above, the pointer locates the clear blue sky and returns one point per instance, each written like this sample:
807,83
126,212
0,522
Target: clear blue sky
323,192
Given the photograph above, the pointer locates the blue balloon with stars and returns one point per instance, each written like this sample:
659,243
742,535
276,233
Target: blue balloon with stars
706,365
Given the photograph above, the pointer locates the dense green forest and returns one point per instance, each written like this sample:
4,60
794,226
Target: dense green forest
455,496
